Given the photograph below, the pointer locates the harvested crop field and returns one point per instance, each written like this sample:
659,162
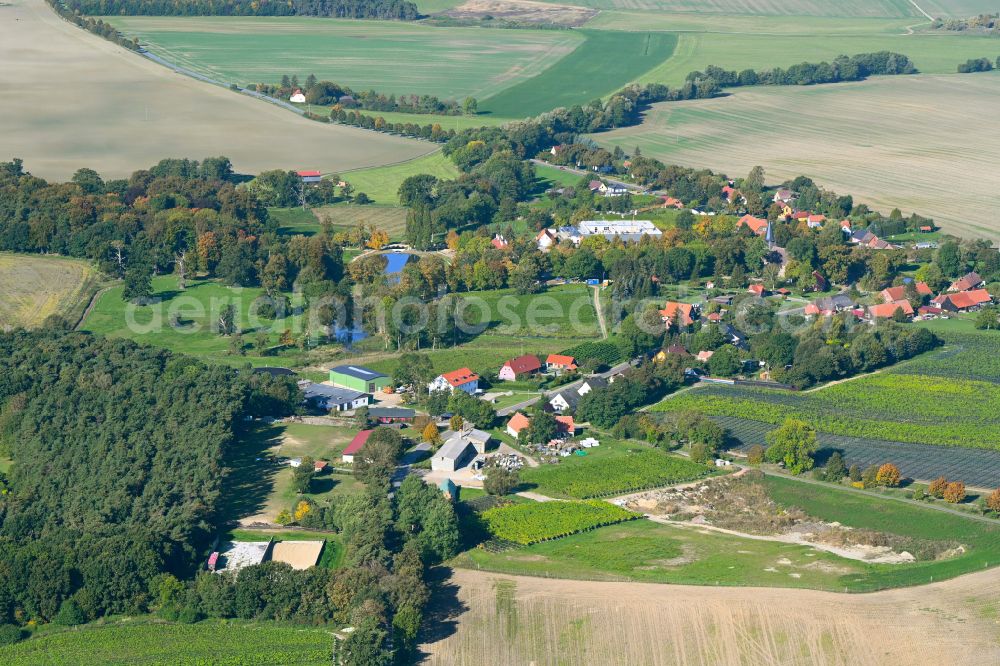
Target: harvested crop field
518,620
920,143
524,11
32,287
81,101
392,57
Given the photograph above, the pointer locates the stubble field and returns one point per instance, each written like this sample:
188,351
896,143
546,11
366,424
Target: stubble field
517,620
921,143
390,57
34,287
75,100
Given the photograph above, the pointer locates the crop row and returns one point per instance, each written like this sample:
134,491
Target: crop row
541,521
225,644
896,407
604,477
976,467
966,356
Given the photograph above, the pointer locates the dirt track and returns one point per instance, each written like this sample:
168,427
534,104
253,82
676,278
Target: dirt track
75,100
519,620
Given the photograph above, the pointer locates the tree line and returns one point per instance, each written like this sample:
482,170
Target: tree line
325,93
402,10
96,26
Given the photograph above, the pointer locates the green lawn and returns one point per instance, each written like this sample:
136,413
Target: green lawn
147,642
645,551
5,464
548,177
197,309
381,184
586,74
295,221
561,311
392,57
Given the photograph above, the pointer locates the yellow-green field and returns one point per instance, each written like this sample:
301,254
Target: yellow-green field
77,100
32,287
921,143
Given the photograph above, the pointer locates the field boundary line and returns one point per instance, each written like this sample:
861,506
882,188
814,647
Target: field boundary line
919,9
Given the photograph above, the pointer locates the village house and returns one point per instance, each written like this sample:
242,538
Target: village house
784,196
565,425
679,314
565,400
355,446
755,224
671,202
545,240
462,379
591,384
297,97
520,368
757,290
560,363
499,242
828,305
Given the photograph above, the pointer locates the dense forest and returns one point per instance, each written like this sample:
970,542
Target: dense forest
118,456
356,9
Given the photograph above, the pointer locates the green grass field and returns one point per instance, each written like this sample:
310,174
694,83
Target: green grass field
32,287
446,122
829,503
798,8
381,184
645,551
585,74
390,57
148,642
562,311
197,309
391,219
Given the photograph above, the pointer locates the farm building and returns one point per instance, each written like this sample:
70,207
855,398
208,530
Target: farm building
967,282
299,555
457,452
391,414
462,379
629,231
332,398
560,363
355,446
963,300
310,177
892,294
358,378
237,555
520,367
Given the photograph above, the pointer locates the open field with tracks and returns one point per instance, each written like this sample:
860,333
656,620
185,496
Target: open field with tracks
32,287
390,57
836,8
84,102
880,140
502,619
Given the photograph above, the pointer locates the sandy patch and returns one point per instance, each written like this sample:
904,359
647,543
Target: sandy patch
522,11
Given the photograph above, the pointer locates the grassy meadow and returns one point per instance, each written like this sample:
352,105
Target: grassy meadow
388,56
381,184
879,140
33,287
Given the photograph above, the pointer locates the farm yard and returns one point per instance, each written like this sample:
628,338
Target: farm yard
848,138
136,112
512,619
390,57
35,287
153,642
